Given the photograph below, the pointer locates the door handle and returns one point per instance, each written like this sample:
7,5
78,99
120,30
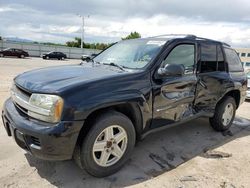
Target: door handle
202,83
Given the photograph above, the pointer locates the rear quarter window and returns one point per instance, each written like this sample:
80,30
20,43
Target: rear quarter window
233,60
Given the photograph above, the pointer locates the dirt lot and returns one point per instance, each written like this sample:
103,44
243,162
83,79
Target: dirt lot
175,157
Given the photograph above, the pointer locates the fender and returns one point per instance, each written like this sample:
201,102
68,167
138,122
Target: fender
105,100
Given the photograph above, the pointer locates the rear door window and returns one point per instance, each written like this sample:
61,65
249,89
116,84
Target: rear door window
211,58
208,62
233,60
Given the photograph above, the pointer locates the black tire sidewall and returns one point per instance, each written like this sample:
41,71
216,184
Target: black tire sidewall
111,118
216,121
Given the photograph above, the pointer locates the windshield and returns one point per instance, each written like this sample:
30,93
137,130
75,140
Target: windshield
131,53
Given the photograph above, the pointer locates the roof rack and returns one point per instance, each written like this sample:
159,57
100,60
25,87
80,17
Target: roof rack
205,39
174,35
189,36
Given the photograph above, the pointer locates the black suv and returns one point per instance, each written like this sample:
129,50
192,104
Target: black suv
97,110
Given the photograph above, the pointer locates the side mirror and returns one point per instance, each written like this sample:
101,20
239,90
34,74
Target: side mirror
171,70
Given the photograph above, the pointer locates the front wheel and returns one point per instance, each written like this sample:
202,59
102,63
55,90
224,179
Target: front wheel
224,114
1,55
108,144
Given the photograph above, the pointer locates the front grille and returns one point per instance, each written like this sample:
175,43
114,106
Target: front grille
20,98
23,91
23,110
35,141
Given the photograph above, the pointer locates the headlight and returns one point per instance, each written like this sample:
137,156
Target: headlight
46,107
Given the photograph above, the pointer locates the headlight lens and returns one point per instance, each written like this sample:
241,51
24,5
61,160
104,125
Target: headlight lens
47,107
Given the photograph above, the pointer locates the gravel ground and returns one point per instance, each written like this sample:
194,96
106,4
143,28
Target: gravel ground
189,155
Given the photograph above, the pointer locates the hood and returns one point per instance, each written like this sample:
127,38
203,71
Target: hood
57,79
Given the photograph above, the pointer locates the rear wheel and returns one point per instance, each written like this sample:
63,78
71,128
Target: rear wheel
47,57
22,56
108,144
224,114
1,55
62,58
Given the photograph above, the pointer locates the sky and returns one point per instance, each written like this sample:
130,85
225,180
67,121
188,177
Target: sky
109,20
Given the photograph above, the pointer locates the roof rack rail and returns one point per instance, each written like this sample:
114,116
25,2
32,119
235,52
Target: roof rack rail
205,39
173,35
189,36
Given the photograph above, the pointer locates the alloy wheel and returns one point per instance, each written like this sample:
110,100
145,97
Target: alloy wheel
110,145
228,114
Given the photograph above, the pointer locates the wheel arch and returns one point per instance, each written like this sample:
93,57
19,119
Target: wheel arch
130,109
236,95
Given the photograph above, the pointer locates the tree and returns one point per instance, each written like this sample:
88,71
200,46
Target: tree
132,35
77,43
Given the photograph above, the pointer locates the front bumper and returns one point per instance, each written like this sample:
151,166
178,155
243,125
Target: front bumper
43,140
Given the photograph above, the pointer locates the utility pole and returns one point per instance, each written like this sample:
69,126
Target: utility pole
82,36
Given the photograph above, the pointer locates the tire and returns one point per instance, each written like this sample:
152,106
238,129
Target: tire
22,56
47,57
62,58
224,114
1,55
91,160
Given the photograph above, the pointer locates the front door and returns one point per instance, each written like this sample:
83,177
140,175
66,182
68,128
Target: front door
174,96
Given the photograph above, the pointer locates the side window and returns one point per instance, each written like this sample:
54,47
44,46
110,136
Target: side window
208,62
234,63
182,54
211,58
220,59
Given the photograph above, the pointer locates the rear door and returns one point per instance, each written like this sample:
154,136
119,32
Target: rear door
213,79
174,96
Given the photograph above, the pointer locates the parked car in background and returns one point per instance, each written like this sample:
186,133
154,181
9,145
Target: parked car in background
246,66
14,52
54,55
248,85
95,112
88,57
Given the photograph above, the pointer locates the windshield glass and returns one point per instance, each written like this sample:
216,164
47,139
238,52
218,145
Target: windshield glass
131,53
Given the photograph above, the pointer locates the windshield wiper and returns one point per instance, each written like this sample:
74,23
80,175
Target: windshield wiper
116,65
